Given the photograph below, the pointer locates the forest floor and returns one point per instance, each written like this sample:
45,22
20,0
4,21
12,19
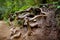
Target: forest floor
37,33
4,30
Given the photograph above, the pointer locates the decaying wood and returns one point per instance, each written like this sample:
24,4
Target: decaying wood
37,16
23,16
14,33
46,26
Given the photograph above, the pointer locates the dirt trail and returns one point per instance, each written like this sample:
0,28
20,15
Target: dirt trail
4,30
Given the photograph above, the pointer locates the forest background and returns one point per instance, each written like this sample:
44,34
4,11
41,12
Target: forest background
11,6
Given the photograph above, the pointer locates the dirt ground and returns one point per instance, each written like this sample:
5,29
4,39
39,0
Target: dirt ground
4,30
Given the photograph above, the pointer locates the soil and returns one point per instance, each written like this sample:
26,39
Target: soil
4,30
